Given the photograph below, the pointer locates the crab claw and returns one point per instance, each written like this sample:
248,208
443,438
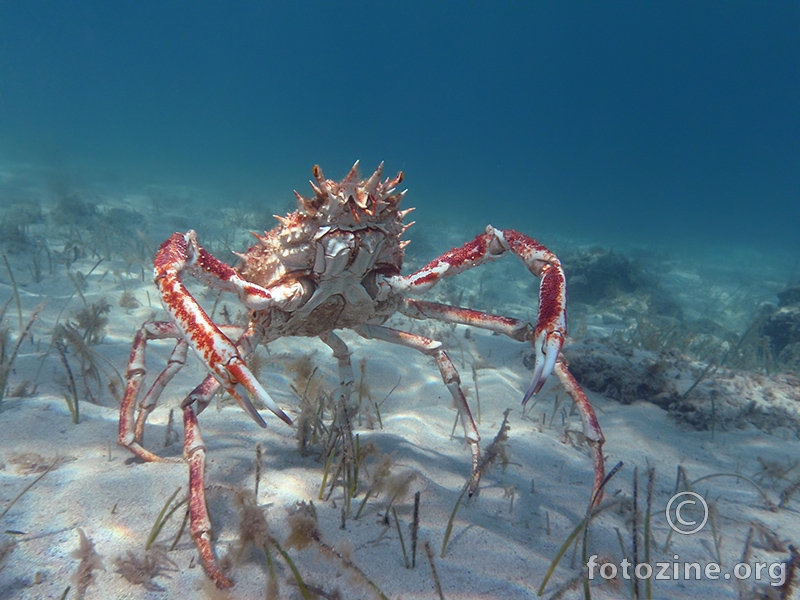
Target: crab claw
546,345
247,385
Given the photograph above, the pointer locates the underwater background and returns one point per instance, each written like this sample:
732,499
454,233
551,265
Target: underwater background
654,147
676,123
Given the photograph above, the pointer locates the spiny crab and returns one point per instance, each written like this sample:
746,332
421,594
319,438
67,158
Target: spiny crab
334,263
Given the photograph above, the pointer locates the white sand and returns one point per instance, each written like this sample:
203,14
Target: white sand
497,550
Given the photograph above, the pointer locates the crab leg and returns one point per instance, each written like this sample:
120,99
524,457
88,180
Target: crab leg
342,354
181,253
547,336
175,363
130,435
131,425
450,377
516,329
202,394
551,324
194,451
591,427
521,331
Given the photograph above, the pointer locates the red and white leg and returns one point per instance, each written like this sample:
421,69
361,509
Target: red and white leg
130,432
523,332
175,363
591,427
547,336
551,324
182,254
450,377
132,423
194,451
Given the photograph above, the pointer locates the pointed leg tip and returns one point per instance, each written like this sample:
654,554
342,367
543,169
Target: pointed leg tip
536,384
528,395
221,582
474,482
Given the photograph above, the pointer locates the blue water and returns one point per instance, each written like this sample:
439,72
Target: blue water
660,131
671,122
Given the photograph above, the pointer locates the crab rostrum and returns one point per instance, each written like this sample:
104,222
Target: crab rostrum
334,263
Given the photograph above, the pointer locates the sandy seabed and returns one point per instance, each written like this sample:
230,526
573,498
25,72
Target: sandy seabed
502,541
